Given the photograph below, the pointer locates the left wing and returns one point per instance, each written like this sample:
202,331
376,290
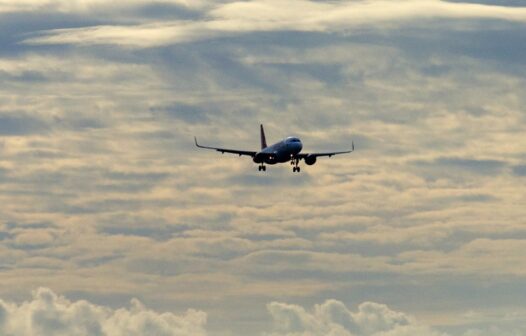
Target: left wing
225,150
329,154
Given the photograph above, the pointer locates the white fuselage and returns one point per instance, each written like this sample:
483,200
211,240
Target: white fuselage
282,151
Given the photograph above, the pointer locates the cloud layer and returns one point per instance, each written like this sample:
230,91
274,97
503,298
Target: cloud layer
50,314
105,197
263,16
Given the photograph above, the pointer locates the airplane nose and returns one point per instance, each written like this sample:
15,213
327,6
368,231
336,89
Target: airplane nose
298,146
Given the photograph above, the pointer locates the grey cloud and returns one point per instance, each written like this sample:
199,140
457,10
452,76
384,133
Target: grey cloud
279,178
135,176
169,267
166,11
501,48
452,164
225,20
11,125
185,112
155,229
26,76
4,173
267,236
108,205
511,3
14,26
81,123
5,233
97,261
519,170
330,74
508,50
480,166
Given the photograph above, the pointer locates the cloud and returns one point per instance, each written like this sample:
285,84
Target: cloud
109,158
50,314
335,319
19,125
519,170
374,319
484,167
34,239
185,112
270,15
84,6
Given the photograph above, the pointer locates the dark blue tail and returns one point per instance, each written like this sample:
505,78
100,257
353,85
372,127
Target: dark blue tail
263,140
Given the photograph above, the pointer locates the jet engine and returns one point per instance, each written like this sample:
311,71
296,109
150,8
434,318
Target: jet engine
310,160
265,158
259,158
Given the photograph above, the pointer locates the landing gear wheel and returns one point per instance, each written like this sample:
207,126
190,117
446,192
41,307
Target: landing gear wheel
262,168
295,163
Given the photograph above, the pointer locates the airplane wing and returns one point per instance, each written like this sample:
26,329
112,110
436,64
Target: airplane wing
225,150
329,154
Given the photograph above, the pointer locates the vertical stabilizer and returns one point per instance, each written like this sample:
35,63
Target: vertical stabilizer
263,140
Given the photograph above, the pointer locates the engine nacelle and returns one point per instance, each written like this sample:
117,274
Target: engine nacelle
265,158
310,160
259,158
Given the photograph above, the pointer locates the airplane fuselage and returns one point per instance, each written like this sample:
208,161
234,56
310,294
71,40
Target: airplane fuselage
279,152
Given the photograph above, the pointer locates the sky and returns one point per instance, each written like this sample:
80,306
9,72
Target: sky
113,223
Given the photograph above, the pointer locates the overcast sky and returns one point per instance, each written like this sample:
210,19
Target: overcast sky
113,223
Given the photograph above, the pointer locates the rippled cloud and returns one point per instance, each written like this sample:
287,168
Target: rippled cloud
260,16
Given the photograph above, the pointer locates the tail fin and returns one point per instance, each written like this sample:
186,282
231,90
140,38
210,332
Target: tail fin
263,140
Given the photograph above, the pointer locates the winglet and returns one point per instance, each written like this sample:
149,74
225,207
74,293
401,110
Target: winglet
352,147
195,139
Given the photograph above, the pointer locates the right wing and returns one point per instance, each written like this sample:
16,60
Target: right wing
225,150
329,154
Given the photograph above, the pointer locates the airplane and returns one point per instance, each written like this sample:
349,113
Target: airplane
286,150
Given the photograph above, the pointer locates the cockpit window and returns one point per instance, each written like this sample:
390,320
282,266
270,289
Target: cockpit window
294,140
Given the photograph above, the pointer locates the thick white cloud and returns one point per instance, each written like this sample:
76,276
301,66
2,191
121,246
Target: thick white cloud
50,314
335,319
272,15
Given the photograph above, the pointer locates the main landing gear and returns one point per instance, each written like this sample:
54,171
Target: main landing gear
262,167
295,163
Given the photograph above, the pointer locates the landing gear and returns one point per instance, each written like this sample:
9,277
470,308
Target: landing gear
262,168
295,163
